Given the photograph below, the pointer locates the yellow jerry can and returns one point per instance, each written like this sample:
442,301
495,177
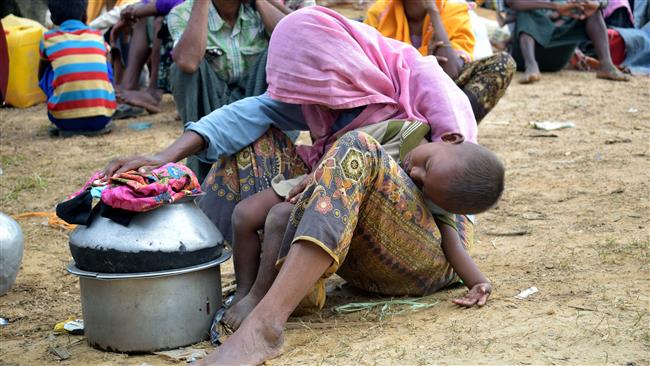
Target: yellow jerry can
23,36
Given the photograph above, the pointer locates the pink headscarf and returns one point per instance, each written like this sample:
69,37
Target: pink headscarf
325,62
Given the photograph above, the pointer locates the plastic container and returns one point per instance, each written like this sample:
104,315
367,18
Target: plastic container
23,36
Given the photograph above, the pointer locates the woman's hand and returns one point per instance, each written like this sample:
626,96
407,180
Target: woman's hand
589,7
571,9
140,163
477,295
129,14
295,192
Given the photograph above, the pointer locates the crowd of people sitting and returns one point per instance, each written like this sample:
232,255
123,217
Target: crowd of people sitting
210,53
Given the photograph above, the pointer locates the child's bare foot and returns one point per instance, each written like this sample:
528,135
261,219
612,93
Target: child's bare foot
258,340
236,314
141,99
531,75
611,73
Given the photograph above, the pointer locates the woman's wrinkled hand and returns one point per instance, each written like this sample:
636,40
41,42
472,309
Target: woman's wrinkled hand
477,295
140,163
294,193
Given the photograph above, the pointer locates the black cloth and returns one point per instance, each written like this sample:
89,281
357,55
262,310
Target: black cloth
77,211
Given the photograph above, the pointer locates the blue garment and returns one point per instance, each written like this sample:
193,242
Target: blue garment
637,40
237,125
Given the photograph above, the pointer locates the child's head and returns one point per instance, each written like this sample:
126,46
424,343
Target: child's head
63,10
460,177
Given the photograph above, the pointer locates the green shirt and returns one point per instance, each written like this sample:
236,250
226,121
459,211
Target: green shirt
234,48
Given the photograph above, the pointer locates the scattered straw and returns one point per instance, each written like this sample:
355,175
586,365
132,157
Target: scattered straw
52,219
384,306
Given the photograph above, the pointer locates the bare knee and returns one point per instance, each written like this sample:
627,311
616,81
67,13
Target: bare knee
245,216
278,217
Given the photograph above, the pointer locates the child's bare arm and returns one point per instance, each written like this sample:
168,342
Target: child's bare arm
465,267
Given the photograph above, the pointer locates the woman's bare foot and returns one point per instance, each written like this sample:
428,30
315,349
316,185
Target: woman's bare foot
236,314
531,75
258,340
141,99
611,73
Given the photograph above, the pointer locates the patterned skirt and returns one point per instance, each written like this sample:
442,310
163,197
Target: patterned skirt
251,170
487,80
366,213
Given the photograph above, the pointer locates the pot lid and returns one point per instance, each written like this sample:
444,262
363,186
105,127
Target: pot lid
170,228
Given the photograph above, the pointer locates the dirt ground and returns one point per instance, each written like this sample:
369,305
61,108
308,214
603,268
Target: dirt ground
574,222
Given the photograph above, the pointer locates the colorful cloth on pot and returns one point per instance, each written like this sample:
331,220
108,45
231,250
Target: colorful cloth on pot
140,192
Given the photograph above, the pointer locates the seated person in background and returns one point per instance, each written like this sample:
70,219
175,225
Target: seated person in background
74,72
146,23
445,171
547,33
96,8
219,55
442,28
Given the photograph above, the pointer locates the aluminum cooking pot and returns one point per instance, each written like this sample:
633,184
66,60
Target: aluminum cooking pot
171,236
11,251
152,311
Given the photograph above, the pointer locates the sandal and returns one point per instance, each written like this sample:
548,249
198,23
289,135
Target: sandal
218,327
124,110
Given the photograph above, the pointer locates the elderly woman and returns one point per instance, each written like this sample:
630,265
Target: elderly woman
344,77
442,28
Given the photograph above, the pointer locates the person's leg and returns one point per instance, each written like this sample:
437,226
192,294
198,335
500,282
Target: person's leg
527,46
274,228
247,218
150,98
597,32
485,81
261,334
138,55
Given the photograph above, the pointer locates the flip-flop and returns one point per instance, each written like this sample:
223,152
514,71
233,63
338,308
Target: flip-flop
124,110
218,327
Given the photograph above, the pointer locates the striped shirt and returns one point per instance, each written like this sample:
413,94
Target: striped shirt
81,83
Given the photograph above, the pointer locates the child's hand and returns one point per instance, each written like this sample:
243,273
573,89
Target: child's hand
294,193
477,295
